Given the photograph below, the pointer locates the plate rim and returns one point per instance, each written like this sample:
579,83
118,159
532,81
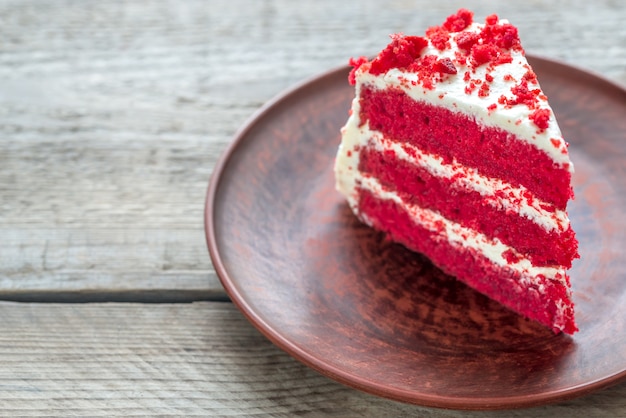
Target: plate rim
309,359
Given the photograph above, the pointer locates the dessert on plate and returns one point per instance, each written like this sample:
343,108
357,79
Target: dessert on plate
453,150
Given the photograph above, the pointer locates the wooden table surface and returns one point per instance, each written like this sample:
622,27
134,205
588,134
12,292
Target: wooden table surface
112,116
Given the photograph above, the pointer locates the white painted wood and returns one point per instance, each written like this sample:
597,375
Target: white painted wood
112,116
200,359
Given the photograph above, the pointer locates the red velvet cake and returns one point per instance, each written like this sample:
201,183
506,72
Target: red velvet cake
452,149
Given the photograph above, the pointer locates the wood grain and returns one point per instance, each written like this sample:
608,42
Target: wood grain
200,359
112,115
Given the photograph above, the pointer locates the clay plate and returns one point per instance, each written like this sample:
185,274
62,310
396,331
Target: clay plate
335,295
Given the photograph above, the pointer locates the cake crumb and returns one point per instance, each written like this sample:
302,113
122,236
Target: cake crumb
541,118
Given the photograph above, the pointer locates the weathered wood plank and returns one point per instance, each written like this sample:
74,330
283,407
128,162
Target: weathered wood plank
200,359
112,115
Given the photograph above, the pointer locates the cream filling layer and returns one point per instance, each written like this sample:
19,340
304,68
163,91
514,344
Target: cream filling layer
457,235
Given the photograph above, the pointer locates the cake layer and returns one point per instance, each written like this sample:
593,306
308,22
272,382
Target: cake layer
496,192
416,185
457,137
529,292
492,248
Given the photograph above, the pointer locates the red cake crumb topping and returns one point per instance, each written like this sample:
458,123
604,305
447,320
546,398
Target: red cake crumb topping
488,53
355,63
484,90
491,19
523,95
482,54
540,117
492,46
445,66
530,77
430,69
503,35
530,98
400,53
466,40
439,37
459,21
425,70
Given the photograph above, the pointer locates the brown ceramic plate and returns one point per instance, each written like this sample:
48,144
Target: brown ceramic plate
370,314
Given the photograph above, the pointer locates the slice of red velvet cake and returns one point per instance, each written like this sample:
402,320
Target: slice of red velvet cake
452,149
